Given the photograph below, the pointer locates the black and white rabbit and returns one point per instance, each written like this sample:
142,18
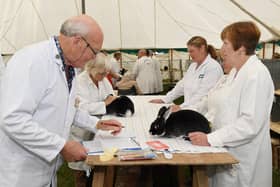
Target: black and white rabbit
178,123
121,106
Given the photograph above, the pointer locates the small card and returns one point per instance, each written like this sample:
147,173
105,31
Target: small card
157,145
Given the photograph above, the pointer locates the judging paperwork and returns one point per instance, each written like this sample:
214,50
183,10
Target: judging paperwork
137,129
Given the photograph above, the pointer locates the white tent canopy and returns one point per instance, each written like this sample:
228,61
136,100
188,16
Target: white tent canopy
133,24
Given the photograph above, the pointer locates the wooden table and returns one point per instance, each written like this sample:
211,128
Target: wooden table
104,171
275,127
277,92
145,113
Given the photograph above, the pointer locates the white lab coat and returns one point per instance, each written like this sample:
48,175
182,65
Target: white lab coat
159,86
239,111
196,82
92,97
37,112
145,75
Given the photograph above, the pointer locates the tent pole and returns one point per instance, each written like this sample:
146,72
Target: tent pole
171,65
83,7
155,25
273,49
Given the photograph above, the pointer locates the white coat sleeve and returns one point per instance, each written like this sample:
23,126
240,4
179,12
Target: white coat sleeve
211,77
255,103
84,120
18,109
176,92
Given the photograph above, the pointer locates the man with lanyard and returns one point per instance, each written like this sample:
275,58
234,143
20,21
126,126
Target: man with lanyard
38,105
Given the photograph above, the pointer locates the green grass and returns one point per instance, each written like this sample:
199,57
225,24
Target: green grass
66,179
276,178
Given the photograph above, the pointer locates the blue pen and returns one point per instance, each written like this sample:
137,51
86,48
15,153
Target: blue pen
132,149
94,152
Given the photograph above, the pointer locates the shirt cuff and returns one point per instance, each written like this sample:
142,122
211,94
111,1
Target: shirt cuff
165,100
214,140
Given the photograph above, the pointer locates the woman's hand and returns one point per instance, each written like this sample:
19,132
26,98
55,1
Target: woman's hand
175,108
109,99
198,138
110,125
156,101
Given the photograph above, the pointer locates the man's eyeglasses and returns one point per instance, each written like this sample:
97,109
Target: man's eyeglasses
94,51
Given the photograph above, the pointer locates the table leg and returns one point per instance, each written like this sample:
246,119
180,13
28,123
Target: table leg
200,178
109,177
181,176
98,176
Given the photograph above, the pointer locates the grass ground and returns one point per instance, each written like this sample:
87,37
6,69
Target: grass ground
66,179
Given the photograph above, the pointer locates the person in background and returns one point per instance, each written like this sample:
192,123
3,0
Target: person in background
200,77
159,87
115,68
144,73
94,93
239,111
37,107
128,86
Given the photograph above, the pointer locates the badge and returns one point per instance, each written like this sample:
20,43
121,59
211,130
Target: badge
201,76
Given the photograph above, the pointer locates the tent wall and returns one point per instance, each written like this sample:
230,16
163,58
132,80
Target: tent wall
131,24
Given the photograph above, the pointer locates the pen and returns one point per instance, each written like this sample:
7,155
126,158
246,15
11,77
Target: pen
133,139
102,123
131,149
94,152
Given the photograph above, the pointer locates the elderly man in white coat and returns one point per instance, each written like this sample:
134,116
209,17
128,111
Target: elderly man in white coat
38,105
239,110
200,77
144,73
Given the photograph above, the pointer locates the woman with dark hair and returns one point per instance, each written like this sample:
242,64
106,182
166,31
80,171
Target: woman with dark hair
239,111
200,77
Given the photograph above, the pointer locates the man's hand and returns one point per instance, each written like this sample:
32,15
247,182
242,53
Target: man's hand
198,138
158,101
73,151
110,99
110,125
175,108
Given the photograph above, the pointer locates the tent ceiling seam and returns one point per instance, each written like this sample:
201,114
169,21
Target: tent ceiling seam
275,3
256,19
77,8
10,43
177,23
211,12
119,9
8,28
40,19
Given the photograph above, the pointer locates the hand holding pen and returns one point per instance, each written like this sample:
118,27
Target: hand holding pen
110,125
